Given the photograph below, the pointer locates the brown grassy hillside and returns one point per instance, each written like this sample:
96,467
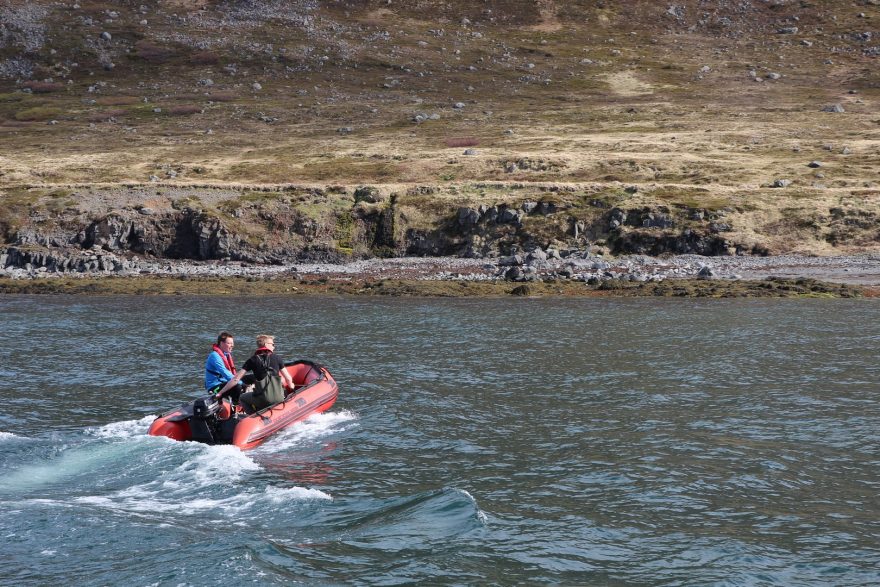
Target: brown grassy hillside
689,103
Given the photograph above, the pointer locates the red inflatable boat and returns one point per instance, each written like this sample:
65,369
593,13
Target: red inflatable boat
213,420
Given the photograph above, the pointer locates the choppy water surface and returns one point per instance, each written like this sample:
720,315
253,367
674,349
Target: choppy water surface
574,442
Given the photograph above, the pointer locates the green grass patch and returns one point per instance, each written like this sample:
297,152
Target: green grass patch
15,207
117,100
255,197
38,114
12,97
690,198
155,285
344,232
106,115
346,168
20,197
318,207
606,198
191,202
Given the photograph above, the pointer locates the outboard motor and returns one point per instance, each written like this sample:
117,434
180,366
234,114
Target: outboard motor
203,423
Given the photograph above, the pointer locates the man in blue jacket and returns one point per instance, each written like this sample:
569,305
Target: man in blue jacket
219,366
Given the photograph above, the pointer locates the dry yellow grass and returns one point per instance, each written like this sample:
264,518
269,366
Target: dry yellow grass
594,97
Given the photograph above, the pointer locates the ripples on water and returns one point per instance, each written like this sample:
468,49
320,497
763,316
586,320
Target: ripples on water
474,442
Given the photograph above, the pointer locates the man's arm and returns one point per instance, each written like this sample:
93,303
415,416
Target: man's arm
232,382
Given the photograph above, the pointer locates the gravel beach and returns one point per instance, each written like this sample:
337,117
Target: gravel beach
854,270
862,270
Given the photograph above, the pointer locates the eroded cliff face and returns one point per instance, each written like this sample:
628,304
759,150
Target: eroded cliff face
109,230
65,229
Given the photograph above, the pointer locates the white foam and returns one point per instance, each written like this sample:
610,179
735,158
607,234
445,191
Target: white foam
205,467
94,500
277,495
481,515
319,425
188,487
314,427
124,429
8,436
213,465
146,499
141,500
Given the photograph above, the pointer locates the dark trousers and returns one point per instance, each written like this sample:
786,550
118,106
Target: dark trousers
233,394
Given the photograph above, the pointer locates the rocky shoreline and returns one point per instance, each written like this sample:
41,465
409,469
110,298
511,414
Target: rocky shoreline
533,267
515,235
861,269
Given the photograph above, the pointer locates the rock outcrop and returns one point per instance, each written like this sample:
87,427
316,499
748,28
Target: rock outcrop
522,234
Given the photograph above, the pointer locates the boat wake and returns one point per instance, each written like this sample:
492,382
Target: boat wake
315,428
56,466
426,517
119,467
400,531
123,429
154,500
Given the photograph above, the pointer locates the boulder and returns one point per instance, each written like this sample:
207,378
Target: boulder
467,218
536,257
511,261
657,220
617,218
368,194
509,216
529,207
529,273
111,232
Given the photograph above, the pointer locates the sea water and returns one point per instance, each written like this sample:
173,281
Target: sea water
474,442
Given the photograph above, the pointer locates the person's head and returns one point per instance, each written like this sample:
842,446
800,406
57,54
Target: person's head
225,342
265,340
